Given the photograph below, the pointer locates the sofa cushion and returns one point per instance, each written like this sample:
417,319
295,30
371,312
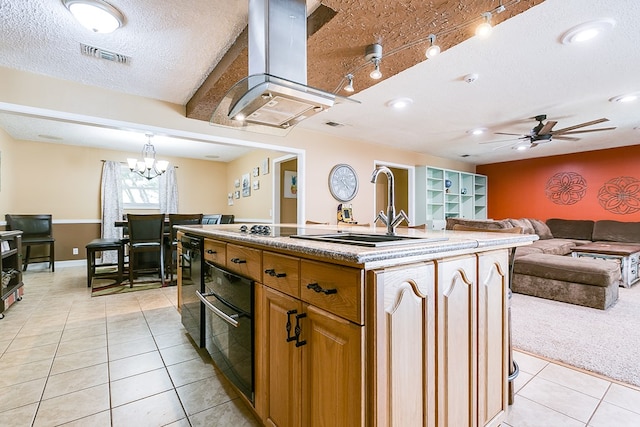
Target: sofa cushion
617,231
526,250
554,246
571,228
524,223
542,230
595,272
489,224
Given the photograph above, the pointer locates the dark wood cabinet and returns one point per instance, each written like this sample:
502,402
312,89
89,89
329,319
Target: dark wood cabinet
10,265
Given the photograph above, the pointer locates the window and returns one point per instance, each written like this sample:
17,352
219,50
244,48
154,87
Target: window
137,191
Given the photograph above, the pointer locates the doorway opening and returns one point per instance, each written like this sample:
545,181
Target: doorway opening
288,199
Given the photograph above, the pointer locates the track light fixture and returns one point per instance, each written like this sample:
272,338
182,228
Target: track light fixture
373,53
349,86
484,29
433,49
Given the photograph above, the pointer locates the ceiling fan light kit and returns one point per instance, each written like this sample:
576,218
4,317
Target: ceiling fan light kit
96,15
628,97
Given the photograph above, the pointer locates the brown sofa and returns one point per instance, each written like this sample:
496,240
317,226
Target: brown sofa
546,269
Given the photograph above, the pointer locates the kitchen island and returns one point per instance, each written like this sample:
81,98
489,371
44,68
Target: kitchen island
409,334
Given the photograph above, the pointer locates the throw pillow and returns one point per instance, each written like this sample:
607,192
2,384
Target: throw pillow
541,229
527,228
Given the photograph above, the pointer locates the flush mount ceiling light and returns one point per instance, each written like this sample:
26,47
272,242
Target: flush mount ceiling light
629,97
483,30
587,31
373,53
95,15
399,103
433,49
349,86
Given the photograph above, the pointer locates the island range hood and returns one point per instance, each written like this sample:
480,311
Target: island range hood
274,97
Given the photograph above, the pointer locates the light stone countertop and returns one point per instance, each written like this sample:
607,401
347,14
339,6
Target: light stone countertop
446,243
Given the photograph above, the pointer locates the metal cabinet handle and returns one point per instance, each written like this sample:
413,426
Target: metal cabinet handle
319,289
297,329
271,272
232,320
238,261
211,251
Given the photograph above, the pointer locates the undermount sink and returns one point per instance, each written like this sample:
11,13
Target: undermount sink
370,240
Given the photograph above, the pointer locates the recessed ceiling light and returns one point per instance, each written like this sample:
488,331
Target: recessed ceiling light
399,103
587,31
628,97
95,15
477,131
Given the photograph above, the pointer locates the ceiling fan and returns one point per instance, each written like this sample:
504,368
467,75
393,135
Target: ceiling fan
543,132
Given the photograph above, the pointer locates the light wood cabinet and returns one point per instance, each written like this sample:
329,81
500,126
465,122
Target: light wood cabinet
309,362
493,329
402,346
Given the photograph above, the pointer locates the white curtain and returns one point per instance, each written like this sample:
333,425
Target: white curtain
168,191
112,211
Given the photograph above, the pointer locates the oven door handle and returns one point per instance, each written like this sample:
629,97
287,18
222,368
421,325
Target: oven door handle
229,319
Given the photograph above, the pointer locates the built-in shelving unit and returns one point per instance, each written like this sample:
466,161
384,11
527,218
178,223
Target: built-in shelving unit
445,193
10,265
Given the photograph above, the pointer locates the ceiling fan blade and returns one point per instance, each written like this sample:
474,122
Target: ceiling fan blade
592,122
547,127
502,140
582,131
503,145
566,138
504,133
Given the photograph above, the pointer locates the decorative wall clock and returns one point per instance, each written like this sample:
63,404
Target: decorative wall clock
343,182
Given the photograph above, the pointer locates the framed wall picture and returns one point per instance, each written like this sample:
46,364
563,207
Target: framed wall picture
230,199
265,166
246,185
236,183
236,194
256,171
255,184
290,184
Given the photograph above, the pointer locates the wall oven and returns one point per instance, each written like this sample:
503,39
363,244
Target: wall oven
229,325
191,269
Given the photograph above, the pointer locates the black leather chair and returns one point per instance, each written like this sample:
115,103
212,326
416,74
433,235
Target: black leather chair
227,219
146,235
171,241
211,219
101,245
37,230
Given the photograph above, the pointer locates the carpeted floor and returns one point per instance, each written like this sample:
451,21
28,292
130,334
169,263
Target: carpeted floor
606,342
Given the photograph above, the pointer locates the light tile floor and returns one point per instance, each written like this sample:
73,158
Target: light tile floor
69,359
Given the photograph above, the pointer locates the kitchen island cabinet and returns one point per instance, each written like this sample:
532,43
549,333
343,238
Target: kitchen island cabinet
352,336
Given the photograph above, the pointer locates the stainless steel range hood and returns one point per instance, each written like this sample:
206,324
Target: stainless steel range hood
274,95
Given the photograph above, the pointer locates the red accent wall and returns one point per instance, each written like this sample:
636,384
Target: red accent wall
526,188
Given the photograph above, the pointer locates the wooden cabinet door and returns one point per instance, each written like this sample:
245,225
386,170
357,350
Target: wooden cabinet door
278,362
402,347
493,355
332,371
457,346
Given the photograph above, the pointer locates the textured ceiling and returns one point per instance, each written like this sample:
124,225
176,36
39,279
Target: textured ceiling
337,47
523,70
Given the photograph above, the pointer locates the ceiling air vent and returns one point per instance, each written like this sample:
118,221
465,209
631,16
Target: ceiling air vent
334,124
96,52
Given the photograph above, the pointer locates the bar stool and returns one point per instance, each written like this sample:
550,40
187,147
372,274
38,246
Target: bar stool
101,245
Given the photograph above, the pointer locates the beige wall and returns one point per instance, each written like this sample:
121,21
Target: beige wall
318,151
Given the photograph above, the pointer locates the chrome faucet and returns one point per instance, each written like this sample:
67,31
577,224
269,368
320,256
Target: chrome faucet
390,219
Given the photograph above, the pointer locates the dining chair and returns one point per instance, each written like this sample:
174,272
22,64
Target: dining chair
171,241
146,235
211,219
37,230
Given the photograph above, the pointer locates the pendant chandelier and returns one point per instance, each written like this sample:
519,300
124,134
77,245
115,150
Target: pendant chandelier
148,167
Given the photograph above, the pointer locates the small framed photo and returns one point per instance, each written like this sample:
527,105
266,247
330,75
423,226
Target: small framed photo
255,185
230,199
246,185
236,194
256,171
237,183
265,166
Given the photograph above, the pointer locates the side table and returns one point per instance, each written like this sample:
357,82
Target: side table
628,254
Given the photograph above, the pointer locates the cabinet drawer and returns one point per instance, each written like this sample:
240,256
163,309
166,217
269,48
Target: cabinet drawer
334,288
244,261
281,272
215,251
